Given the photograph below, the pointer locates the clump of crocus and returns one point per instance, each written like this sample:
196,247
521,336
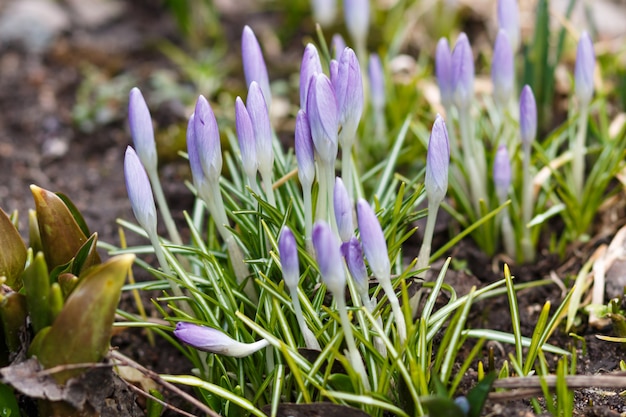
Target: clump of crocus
288,251
257,110
254,67
502,182
212,340
306,169
328,256
508,20
528,131
375,248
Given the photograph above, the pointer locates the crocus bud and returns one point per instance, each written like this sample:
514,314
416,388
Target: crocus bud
322,113
502,173
333,70
214,341
288,251
139,192
207,139
502,71
197,173
353,254
259,116
254,67
349,91
343,210
328,255
357,17
324,11
443,71
304,150
527,116
373,239
310,65
583,72
437,161
338,44
245,134
141,129
377,82
508,20
462,72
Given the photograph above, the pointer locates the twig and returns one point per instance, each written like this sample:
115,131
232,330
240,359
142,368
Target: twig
158,400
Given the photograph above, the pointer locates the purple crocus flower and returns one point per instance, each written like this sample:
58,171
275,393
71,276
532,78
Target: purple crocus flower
349,91
310,66
212,340
338,44
141,129
245,134
462,72
207,140
304,149
583,71
502,173
257,110
373,239
197,173
357,17
254,67
377,82
502,71
328,255
139,192
288,251
437,161
333,70
443,71
508,20
343,210
353,254
527,116
323,121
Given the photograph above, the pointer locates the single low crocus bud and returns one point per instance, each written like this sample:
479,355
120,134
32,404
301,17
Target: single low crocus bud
583,71
343,210
502,173
207,138
437,162
462,72
323,121
527,116
349,92
288,251
377,82
141,129
212,340
353,254
139,192
373,239
304,150
502,71
245,134
508,20
254,67
328,255
443,71
260,119
310,66
357,17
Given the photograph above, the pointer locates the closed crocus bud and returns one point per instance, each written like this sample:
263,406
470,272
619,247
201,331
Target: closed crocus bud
328,255
462,72
502,173
141,129
353,254
502,71
254,67
324,11
323,121
349,91
508,20
583,72
343,210
527,116
377,82
304,149
245,134
197,172
373,239
357,17
443,71
437,161
338,44
288,251
139,191
259,116
207,138
212,340
310,66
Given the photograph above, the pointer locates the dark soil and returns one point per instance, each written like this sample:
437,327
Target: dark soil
41,143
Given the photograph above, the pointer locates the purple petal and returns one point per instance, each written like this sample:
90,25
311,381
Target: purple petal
304,149
141,129
437,161
502,173
197,172
349,91
207,138
261,125
527,116
338,44
463,72
343,210
373,239
288,251
443,70
502,71
254,67
377,82
310,66
245,134
328,255
583,71
353,254
215,341
508,20
357,17
139,191
322,114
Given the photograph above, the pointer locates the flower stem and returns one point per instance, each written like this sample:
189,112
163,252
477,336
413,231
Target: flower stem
355,357
578,163
527,207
